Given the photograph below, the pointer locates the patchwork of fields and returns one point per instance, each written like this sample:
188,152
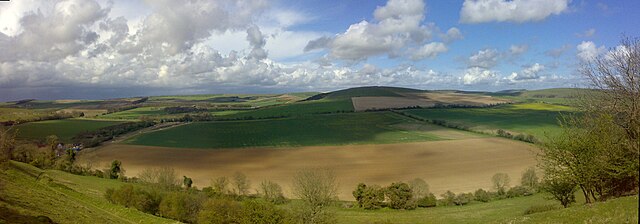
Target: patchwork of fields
64,129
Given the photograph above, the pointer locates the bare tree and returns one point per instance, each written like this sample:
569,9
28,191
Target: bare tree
317,188
241,184
501,182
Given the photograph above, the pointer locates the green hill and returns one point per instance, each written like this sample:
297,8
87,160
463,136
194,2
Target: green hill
63,197
364,91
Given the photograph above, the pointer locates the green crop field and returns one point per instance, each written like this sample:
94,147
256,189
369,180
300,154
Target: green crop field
537,119
64,197
135,114
333,129
296,109
64,129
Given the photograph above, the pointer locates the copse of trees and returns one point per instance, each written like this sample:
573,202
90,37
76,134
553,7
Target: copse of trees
599,147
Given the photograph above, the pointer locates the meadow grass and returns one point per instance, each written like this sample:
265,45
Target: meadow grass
330,129
537,119
64,129
64,197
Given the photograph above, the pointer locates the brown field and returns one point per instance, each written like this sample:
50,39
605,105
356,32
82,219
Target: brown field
87,112
458,165
429,99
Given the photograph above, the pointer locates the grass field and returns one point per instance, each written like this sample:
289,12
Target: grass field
296,109
332,129
12,114
135,114
537,119
63,197
64,129
621,210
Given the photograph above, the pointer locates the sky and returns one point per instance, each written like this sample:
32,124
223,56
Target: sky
88,49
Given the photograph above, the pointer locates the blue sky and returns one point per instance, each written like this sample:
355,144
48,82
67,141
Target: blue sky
104,49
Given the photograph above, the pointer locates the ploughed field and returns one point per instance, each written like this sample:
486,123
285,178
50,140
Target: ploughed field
461,165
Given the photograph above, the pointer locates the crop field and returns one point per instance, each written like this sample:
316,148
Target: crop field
135,114
459,165
12,114
297,109
423,99
330,129
537,119
64,129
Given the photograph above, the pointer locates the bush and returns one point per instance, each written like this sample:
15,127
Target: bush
400,196
427,201
129,196
219,210
369,197
272,192
561,190
448,198
463,199
541,208
482,195
255,211
519,191
180,206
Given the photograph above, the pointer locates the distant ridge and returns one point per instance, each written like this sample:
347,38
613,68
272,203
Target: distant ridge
364,91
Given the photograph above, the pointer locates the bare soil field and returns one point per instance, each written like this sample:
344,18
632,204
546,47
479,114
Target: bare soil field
429,99
457,165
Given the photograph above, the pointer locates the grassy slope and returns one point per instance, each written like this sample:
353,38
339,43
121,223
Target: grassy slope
64,129
333,129
64,197
502,211
297,109
534,118
368,91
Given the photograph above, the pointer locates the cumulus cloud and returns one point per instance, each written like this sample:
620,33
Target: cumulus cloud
397,27
257,42
528,73
478,75
487,58
430,50
587,50
518,11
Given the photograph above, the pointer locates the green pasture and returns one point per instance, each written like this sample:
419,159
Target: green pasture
296,109
135,113
64,129
538,119
333,129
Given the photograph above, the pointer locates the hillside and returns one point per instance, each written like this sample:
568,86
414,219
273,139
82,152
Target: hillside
369,91
64,197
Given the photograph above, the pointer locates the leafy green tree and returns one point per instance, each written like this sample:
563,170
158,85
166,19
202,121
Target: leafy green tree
400,196
187,182
116,170
448,198
463,199
561,189
220,211
261,212
427,201
180,206
482,195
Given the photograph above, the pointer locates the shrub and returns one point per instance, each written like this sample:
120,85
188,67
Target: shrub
561,190
219,210
541,208
400,196
129,196
448,198
369,197
272,192
482,195
257,212
519,191
180,206
463,199
427,201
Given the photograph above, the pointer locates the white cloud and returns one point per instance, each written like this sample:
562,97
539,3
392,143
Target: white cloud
529,73
519,11
430,50
452,34
516,50
487,58
587,33
557,52
588,51
478,75
397,28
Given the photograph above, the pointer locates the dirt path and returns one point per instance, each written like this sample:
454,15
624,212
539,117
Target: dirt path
457,165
